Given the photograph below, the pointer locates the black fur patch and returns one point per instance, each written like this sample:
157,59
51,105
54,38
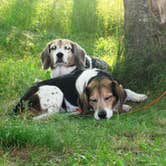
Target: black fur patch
34,102
29,93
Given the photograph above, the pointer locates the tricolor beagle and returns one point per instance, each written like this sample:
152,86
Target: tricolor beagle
63,56
91,90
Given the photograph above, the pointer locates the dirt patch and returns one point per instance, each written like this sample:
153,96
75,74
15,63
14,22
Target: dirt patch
22,154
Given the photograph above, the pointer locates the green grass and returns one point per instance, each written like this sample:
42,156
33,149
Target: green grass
132,139
128,139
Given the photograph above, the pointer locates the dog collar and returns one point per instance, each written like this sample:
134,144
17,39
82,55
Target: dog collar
79,110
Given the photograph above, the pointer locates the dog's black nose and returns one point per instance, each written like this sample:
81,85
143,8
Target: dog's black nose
59,55
102,114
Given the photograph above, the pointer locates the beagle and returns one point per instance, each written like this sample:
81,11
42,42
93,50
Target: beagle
91,90
63,56
103,95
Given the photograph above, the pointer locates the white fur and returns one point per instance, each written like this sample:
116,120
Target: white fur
49,112
70,107
84,78
90,61
65,53
126,107
61,70
109,114
96,115
135,97
51,98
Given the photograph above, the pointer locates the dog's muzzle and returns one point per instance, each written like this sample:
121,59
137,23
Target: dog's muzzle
59,57
102,114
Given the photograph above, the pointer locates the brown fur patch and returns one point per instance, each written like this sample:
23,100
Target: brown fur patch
34,105
98,84
71,61
105,93
100,94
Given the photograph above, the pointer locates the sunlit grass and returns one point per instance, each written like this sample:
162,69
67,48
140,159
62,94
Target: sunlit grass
26,26
107,49
57,14
110,14
53,15
17,13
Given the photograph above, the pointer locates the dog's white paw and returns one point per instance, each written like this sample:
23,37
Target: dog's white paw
126,108
141,98
135,97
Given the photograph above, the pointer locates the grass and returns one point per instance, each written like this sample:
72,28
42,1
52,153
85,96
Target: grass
126,139
129,139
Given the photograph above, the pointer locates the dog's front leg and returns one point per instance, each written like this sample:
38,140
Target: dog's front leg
135,97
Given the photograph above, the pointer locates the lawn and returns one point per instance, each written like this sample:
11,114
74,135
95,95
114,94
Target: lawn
136,138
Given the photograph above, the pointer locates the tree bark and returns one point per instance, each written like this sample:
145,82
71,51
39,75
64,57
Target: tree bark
144,35
158,8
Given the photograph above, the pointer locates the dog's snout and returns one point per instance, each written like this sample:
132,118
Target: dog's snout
59,55
102,114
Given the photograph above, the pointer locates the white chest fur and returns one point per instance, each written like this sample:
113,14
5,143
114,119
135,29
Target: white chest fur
61,70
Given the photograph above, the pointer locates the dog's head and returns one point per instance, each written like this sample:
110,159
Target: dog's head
103,96
62,52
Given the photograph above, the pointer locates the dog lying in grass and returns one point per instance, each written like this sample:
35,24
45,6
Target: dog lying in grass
63,56
93,90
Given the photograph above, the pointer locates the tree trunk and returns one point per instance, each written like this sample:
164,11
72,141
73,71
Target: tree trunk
144,36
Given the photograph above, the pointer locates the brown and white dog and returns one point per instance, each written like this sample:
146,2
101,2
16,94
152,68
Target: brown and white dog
63,56
95,90
100,93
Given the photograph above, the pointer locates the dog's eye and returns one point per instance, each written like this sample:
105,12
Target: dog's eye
53,48
107,98
93,100
67,48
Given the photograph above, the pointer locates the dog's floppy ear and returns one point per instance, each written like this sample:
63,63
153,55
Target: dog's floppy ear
83,101
45,58
119,92
79,54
